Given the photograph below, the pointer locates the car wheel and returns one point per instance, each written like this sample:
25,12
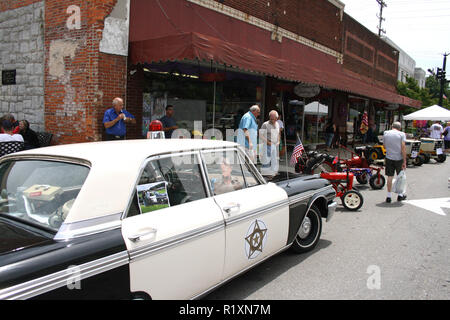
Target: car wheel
376,183
441,158
375,154
352,200
418,161
426,157
362,178
309,232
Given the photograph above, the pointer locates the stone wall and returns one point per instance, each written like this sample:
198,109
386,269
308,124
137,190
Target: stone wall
22,49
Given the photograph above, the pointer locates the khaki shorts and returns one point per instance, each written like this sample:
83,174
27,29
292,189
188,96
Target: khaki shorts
391,166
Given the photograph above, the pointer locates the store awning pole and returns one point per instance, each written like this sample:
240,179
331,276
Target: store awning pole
303,121
214,107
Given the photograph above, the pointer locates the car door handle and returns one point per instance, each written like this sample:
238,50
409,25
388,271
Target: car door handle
232,208
144,235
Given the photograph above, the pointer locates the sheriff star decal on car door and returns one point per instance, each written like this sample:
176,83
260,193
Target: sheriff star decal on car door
255,239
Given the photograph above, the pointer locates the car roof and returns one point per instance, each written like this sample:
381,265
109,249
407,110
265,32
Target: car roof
115,166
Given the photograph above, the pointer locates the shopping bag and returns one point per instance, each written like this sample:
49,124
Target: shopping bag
400,183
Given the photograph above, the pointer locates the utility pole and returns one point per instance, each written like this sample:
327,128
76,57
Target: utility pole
382,5
441,76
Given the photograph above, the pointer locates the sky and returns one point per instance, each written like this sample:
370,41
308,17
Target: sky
421,28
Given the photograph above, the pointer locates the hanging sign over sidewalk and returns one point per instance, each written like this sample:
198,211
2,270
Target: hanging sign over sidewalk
304,90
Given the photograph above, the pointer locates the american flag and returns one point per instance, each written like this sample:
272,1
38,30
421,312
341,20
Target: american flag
364,123
298,150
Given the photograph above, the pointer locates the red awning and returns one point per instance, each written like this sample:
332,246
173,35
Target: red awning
193,46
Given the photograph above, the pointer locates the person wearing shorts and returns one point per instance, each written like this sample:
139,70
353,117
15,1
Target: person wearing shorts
395,144
447,137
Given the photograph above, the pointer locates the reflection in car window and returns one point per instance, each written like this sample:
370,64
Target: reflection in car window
169,182
250,177
40,192
224,171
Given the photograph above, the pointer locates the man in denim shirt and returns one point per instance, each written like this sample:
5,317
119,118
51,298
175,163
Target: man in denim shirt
115,119
248,131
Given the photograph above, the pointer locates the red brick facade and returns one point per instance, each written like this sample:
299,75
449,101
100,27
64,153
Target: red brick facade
319,21
369,56
80,81
14,4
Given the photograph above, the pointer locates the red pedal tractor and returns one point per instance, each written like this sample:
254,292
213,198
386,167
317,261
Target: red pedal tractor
361,168
342,183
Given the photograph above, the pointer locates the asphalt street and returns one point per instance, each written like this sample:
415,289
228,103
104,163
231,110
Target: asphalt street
383,251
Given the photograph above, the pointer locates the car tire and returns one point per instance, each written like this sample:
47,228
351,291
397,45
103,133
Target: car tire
441,158
309,232
375,154
352,200
418,161
375,183
426,157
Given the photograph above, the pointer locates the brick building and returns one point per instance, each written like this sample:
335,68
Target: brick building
212,59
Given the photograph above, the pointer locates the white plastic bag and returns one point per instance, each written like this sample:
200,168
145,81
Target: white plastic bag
400,183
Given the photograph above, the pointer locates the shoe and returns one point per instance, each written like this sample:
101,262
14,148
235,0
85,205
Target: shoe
401,198
388,200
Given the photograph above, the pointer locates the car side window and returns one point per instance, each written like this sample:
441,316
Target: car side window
250,177
169,182
224,171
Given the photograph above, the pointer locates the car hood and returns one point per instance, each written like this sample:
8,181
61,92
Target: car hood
14,237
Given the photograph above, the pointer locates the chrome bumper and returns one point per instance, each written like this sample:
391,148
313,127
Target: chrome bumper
331,209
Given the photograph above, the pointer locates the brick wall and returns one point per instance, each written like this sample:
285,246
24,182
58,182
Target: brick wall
80,81
14,4
317,20
369,56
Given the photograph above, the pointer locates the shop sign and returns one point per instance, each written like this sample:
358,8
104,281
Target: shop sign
304,90
391,107
8,77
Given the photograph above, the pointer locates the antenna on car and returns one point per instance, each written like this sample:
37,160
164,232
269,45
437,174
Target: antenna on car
284,136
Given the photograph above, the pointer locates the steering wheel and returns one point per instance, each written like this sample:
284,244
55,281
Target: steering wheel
167,174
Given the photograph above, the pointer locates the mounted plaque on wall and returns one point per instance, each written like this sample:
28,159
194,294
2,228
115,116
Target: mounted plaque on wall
8,77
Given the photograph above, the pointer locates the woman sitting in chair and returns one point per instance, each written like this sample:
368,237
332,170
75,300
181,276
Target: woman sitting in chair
29,136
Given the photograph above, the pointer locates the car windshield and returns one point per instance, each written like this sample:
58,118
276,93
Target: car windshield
39,192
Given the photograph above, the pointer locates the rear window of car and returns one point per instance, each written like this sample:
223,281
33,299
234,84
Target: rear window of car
40,192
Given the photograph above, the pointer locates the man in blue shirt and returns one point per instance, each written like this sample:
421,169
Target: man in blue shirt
115,119
169,122
248,131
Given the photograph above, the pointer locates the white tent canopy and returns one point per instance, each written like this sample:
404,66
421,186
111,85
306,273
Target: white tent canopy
316,108
435,113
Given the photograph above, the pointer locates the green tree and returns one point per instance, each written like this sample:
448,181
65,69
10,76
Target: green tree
428,95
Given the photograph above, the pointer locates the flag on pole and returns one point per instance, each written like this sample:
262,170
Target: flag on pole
298,150
364,123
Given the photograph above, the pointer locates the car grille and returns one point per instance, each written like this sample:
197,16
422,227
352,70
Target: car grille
438,144
415,146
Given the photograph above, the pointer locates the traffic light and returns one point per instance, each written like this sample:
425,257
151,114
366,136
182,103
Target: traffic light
439,73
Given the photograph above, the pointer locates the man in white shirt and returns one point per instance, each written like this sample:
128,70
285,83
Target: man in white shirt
270,138
436,130
8,135
395,144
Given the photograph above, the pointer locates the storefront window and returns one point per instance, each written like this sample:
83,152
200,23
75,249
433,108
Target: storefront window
203,98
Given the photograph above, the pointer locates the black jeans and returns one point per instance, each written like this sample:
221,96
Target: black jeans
110,137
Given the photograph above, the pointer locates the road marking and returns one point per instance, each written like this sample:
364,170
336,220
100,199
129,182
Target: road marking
433,205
